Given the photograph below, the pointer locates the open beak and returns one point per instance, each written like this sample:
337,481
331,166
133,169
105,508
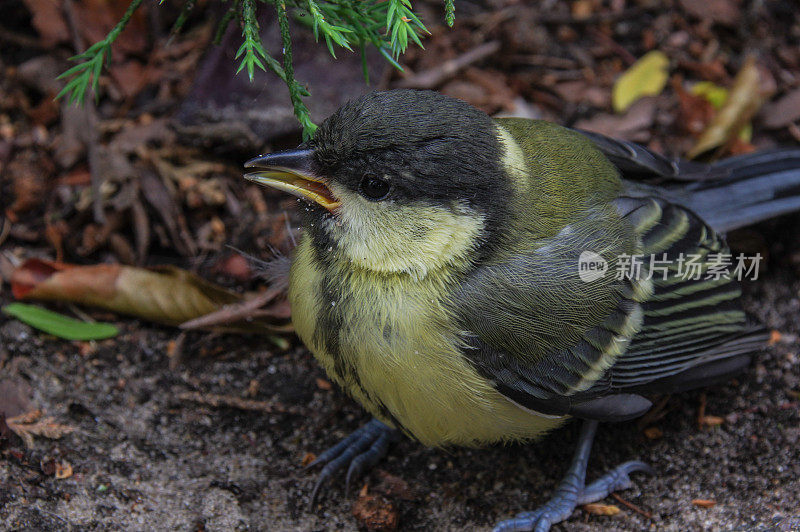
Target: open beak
291,172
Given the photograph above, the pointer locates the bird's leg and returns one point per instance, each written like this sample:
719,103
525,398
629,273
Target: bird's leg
360,451
572,490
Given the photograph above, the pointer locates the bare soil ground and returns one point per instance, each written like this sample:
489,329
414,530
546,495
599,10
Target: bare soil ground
143,458
154,446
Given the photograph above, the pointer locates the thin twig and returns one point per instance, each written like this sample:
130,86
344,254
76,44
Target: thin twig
428,79
620,50
217,401
603,16
701,411
51,514
5,230
23,41
632,506
176,352
544,61
232,313
80,314
656,412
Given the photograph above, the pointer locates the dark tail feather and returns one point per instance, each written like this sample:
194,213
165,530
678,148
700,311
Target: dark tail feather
758,186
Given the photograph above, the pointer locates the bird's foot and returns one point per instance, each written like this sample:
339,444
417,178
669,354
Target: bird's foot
564,502
572,491
360,451
615,480
554,511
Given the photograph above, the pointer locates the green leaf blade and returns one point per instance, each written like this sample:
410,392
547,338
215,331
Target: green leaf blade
58,324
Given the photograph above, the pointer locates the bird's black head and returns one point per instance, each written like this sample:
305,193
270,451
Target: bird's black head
400,180
422,144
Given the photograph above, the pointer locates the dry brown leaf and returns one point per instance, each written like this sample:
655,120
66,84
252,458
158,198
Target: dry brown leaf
15,396
725,12
28,417
582,9
375,512
745,99
694,112
580,91
28,172
234,266
165,294
63,470
601,509
704,503
323,384
95,18
32,423
782,112
711,421
48,19
633,125
653,433
130,77
45,113
394,486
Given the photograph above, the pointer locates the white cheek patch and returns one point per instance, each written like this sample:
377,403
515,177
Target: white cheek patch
514,160
388,237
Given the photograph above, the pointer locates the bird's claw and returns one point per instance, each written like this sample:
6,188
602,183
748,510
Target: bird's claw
539,520
359,451
564,502
615,480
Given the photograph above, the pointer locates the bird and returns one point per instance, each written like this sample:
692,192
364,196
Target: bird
469,280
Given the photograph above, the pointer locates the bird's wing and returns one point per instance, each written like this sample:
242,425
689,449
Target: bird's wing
541,329
558,345
635,162
694,330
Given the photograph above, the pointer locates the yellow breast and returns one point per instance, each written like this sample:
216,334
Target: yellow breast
391,344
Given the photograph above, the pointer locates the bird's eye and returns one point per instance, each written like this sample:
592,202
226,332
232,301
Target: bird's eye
374,188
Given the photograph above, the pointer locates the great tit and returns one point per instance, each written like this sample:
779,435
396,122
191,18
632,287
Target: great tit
441,276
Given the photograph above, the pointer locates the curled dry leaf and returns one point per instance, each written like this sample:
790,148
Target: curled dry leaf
323,384
695,112
28,172
744,100
395,487
32,423
375,512
63,470
653,433
601,509
711,421
164,294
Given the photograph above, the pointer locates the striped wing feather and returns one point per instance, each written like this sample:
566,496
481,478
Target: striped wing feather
664,333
